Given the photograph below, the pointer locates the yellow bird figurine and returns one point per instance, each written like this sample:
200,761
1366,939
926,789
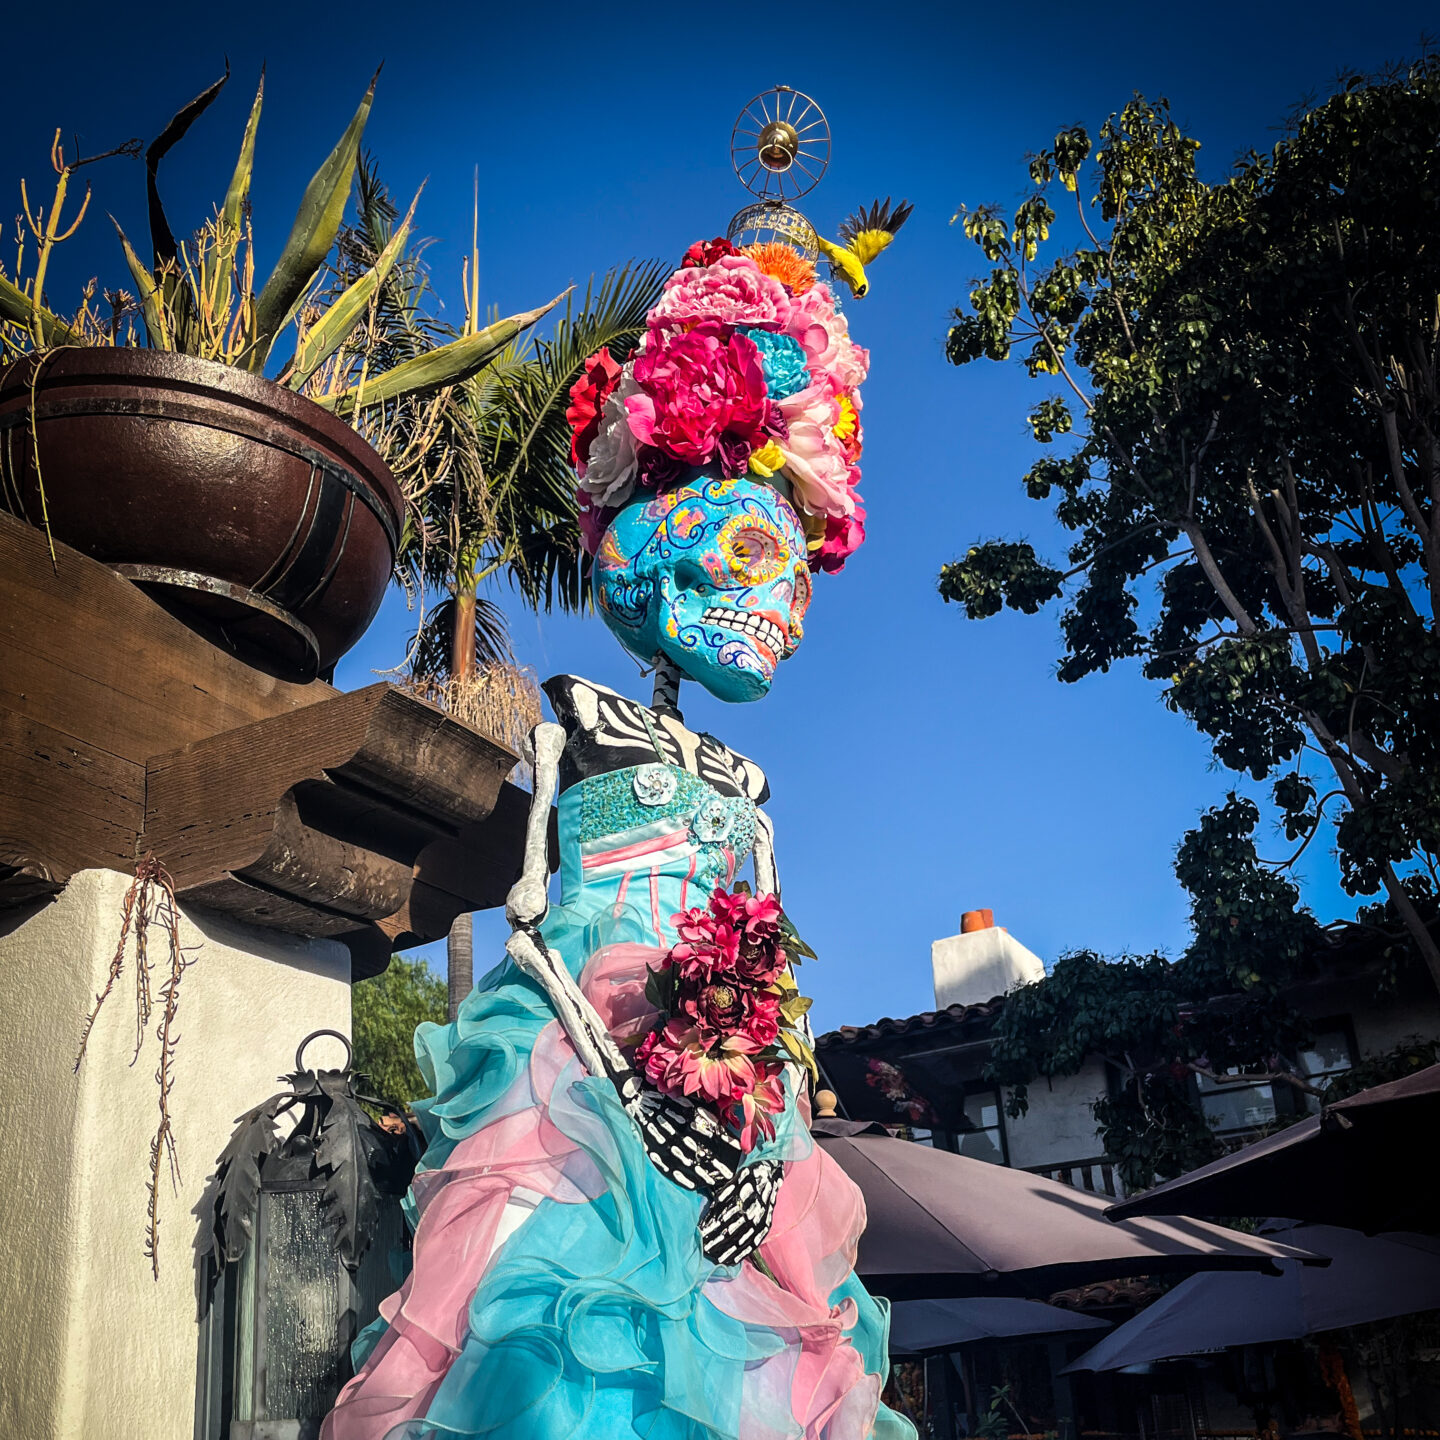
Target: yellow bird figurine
862,237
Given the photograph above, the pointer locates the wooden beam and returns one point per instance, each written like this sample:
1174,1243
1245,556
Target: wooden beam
91,656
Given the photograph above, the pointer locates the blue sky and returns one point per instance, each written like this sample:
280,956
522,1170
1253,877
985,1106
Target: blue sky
921,765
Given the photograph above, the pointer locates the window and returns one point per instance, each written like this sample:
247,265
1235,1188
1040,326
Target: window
1240,1104
1329,1055
1236,1104
984,1135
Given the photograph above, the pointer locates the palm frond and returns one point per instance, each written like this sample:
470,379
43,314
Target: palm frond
519,406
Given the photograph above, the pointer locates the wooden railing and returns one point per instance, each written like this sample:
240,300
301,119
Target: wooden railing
1099,1176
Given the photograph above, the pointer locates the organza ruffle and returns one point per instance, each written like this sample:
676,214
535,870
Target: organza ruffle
599,1316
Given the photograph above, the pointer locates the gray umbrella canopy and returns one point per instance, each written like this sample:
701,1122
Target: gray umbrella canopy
1370,1278
946,1226
921,1327
1356,1164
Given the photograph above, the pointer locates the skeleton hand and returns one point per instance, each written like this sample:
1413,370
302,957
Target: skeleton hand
689,1146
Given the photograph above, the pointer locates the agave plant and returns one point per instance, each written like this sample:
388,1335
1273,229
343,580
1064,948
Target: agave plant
201,298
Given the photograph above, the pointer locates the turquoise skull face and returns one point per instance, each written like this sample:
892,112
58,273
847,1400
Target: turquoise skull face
712,575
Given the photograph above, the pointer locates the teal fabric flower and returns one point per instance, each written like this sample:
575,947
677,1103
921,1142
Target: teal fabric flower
782,359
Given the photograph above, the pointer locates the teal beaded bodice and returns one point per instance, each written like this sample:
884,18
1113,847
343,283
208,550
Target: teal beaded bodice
656,820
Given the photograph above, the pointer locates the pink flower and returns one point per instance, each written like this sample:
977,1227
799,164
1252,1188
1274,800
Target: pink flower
844,535
677,1061
733,290
756,917
825,338
700,395
587,402
705,945
594,520
749,1113
815,460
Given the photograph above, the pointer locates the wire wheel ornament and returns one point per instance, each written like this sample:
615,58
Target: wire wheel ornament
780,145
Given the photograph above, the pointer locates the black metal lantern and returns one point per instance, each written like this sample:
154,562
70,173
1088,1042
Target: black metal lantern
302,1235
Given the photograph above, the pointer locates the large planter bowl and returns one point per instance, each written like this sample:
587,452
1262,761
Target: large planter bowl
244,507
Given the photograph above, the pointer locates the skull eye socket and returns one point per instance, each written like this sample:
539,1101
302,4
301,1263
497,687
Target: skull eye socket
755,553
802,592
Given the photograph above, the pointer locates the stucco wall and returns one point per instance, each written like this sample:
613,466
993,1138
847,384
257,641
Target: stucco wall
1058,1128
90,1344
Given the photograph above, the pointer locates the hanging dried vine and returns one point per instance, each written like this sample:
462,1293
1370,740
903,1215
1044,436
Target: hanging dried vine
150,900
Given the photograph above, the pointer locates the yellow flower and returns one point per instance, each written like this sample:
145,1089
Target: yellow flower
767,459
845,425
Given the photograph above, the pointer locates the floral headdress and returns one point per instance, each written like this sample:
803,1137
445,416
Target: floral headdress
746,364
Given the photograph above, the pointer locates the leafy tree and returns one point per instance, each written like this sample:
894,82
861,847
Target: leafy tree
1158,1024
1246,451
385,1012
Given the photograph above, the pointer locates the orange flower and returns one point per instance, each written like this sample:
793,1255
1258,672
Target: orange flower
781,263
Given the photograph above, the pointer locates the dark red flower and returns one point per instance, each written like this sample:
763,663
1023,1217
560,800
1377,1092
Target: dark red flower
707,252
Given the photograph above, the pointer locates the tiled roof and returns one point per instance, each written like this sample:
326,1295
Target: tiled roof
950,1017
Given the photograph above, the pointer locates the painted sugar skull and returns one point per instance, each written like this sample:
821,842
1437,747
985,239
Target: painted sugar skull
712,575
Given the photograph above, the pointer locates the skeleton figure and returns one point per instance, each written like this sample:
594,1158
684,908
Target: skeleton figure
594,1258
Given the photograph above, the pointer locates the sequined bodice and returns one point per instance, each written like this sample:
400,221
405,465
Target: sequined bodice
655,820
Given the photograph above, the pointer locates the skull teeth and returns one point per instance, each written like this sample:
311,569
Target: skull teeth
757,627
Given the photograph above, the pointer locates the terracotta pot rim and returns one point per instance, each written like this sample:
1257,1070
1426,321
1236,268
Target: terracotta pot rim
72,365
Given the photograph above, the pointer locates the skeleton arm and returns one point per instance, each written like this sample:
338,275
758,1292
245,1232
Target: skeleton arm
767,879
525,907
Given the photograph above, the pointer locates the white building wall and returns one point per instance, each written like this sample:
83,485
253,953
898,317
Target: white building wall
91,1345
1059,1127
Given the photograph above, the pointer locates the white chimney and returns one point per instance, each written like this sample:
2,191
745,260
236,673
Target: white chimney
981,962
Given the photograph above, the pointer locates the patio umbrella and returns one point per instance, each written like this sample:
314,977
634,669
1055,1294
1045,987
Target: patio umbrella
944,1226
923,1327
1371,1278
1356,1164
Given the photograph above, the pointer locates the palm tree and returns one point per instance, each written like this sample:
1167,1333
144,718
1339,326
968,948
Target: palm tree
487,470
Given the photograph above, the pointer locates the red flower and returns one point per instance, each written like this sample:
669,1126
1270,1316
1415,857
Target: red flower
587,402
707,252
749,1112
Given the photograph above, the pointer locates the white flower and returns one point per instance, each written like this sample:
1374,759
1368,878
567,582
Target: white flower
610,470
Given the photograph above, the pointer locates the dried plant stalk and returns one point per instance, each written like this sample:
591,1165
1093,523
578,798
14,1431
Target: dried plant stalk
501,700
150,900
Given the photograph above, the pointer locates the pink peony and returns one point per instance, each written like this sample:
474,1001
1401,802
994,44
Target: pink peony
825,338
734,290
817,468
699,396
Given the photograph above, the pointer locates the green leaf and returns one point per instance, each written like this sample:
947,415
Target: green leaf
800,1052
434,369
794,1007
233,211
152,301
18,307
316,225
330,332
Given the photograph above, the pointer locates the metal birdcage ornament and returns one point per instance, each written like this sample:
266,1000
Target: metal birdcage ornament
780,148
297,1254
